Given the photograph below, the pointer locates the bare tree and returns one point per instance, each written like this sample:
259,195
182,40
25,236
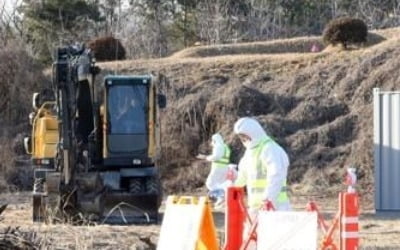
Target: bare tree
265,21
380,15
217,20
143,28
10,22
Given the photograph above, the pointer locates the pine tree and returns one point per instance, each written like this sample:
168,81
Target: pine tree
49,23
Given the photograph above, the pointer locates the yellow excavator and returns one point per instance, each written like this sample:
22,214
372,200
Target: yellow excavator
95,146
42,144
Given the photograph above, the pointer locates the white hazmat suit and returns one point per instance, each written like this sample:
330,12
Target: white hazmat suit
218,172
272,158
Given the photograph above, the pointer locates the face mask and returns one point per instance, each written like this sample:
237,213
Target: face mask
247,144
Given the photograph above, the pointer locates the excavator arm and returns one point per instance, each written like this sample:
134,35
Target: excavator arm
74,74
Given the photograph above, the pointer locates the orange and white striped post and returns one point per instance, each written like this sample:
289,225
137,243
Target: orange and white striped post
349,212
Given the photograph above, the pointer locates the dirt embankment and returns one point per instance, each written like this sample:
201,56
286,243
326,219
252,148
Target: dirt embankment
317,105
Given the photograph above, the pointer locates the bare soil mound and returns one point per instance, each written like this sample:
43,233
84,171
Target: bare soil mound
282,46
294,45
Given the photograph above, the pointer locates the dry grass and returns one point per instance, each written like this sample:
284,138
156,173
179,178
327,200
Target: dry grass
376,232
275,52
282,46
185,180
14,238
294,45
388,33
65,236
6,165
16,170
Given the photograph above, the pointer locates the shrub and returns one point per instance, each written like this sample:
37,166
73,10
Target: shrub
345,31
107,49
20,76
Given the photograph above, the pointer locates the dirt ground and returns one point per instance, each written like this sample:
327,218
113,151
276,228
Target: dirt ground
376,232
65,236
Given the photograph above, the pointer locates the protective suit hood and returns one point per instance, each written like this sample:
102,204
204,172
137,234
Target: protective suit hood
251,128
216,139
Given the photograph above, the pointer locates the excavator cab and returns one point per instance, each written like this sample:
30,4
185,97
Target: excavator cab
126,121
130,142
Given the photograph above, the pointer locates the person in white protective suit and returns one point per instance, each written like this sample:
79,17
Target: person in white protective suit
263,168
217,178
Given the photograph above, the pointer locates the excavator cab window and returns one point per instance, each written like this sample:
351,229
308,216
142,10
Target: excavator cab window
127,108
127,111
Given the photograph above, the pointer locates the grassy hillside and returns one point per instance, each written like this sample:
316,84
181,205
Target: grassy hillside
317,105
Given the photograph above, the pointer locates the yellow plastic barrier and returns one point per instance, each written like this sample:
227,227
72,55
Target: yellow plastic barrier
187,225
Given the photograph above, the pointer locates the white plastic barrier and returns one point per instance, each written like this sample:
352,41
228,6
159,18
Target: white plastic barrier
187,225
287,230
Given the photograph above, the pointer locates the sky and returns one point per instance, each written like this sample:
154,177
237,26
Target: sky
8,6
8,3
6,9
